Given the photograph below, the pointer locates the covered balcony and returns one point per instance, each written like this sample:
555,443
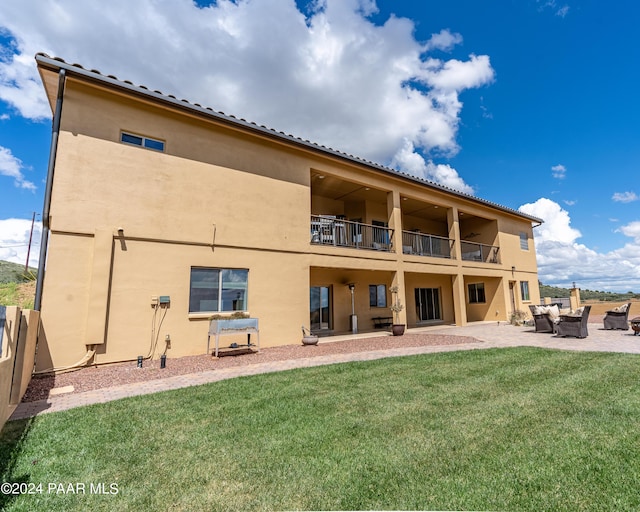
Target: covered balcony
479,252
349,214
426,245
339,232
426,229
478,236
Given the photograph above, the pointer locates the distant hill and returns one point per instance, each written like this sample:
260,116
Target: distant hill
14,273
554,291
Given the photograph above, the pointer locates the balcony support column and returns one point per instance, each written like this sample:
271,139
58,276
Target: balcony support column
454,232
394,212
398,280
459,301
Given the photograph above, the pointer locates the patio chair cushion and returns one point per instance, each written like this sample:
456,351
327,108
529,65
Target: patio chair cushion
552,311
620,309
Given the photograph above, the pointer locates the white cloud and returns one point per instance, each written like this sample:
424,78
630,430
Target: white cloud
632,230
625,197
443,40
406,158
559,171
12,167
14,241
562,260
559,10
333,77
557,224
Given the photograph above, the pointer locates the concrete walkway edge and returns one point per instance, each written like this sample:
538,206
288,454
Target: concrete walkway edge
488,334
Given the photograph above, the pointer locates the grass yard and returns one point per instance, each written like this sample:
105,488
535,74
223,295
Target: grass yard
18,294
500,429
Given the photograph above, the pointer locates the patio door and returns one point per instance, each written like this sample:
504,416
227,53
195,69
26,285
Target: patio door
320,308
428,304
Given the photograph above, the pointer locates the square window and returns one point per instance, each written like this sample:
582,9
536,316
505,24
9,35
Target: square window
378,295
214,290
476,293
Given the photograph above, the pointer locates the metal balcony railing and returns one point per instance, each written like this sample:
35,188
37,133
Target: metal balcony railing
426,245
479,252
329,230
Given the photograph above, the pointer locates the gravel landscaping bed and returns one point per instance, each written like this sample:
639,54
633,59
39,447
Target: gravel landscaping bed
96,377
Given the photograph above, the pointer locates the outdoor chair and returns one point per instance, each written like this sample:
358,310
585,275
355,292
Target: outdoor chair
617,318
574,324
543,317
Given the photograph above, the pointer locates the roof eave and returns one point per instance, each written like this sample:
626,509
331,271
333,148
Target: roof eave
54,64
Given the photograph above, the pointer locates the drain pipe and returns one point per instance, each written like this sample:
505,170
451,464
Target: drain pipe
44,242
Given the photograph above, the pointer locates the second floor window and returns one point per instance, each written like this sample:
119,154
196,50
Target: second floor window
140,140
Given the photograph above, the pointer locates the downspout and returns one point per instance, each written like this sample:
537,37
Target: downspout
44,243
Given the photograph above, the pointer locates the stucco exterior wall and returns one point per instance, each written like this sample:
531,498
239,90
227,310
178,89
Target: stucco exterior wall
128,224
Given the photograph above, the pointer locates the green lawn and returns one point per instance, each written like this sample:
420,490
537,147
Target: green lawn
500,429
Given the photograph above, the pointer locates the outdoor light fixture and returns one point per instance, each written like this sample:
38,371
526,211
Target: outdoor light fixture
163,361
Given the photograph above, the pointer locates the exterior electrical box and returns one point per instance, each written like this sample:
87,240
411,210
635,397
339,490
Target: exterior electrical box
165,299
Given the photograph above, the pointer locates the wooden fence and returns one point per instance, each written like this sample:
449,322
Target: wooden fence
18,335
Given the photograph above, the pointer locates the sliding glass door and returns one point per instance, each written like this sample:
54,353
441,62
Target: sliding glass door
320,313
428,304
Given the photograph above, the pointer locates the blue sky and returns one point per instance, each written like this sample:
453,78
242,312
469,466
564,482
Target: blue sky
531,104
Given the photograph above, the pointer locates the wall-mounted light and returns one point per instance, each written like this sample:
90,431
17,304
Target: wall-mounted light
513,270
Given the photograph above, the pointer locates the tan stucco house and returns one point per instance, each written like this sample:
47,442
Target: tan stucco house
160,213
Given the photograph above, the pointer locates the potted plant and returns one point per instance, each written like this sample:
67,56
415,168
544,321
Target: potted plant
308,338
396,328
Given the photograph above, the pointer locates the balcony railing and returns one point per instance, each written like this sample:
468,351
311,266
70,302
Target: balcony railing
479,252
328,230
426,245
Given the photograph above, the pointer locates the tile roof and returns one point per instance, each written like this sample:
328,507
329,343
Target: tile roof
56,63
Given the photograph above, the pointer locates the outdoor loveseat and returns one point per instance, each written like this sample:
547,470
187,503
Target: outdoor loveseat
617,318
574,324
544,317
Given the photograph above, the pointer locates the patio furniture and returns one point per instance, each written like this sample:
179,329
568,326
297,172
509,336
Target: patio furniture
574,324
544,316
381,322
224,327
617,318
635,325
